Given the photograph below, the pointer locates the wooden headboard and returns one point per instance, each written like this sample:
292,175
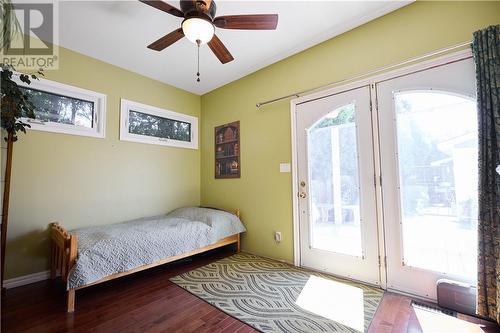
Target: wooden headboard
235,212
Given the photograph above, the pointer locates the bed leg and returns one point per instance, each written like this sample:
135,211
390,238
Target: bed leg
53,268
238,244
70,299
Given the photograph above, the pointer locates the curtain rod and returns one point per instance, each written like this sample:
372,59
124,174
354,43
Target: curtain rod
369,73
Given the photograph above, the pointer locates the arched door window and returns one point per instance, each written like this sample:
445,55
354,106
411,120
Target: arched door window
334,182
437,149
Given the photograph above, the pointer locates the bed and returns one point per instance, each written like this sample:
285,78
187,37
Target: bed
92,255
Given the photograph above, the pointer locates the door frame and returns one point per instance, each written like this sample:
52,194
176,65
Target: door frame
347,85
362,266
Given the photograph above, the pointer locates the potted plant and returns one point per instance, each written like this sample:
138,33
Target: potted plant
15,107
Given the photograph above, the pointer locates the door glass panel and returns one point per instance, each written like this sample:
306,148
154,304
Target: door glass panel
438,175
334,183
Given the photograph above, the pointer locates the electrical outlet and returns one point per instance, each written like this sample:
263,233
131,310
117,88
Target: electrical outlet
277,236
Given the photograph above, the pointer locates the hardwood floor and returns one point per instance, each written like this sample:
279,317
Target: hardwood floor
149,302
395,314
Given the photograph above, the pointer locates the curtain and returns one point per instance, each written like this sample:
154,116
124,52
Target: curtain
486,50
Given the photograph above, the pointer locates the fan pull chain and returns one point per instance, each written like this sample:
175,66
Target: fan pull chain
198,42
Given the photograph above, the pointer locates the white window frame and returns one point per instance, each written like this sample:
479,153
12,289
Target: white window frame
99,100
125,135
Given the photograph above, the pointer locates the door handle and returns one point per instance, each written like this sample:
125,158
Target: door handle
302,195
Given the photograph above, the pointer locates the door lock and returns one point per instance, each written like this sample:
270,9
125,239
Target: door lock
302,195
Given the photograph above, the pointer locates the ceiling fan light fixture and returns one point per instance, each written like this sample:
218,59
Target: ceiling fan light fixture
197,29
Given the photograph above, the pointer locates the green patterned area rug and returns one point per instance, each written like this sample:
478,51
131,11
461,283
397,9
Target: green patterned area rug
276,297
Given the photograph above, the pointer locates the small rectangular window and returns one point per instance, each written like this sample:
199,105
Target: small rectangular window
145,124
61,109
65,109
148,124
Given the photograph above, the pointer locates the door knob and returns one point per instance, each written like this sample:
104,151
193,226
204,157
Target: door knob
302,195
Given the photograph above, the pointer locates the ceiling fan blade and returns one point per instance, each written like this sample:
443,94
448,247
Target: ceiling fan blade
167,40
247,22
220,50
163,6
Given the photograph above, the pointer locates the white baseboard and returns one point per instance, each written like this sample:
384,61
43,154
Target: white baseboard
26,279
267,257
45,275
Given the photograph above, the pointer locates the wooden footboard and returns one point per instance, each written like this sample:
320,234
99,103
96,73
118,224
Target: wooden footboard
63,255
63,250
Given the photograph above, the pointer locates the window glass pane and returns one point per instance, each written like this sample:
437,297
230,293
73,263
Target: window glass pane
155,126
61,109
437,156
334,183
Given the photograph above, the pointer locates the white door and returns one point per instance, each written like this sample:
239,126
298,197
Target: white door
337,210
428,151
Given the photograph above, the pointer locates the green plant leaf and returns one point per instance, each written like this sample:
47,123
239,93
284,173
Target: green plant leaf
15,103
10,26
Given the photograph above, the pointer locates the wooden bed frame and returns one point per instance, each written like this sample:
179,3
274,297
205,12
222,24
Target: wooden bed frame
64,253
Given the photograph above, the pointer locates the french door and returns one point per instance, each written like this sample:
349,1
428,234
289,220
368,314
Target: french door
337,196
387,179
428,147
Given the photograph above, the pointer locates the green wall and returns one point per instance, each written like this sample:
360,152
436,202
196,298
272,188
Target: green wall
83,181
263,194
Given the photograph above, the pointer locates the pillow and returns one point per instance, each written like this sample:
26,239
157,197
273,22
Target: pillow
206,215
224,223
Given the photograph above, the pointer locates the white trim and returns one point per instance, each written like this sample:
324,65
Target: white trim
268,257
99,100
295,188
413,296
378,187
125,135
371,81
26,279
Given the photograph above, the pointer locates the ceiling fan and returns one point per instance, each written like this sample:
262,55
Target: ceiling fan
200,22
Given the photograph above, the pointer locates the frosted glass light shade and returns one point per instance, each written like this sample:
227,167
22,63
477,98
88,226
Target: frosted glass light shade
198,29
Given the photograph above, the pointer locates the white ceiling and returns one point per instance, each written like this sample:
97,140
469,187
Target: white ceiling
118,32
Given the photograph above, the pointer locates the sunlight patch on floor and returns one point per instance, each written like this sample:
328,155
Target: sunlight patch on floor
333,300
431,322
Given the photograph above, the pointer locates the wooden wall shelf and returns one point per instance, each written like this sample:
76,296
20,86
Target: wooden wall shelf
227,151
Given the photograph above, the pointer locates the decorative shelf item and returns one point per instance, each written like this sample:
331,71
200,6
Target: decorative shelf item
227,151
